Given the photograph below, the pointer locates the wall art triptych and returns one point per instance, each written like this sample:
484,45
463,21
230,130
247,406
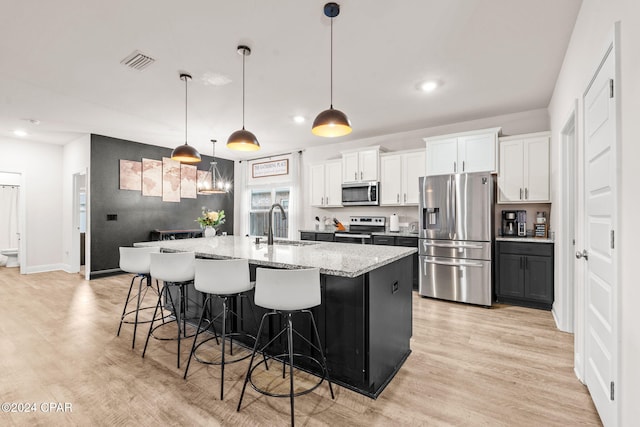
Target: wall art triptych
164,178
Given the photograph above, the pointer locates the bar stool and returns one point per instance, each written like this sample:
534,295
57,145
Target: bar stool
174,269
222,279
138,262
286,292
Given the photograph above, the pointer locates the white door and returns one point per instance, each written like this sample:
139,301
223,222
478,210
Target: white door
601,294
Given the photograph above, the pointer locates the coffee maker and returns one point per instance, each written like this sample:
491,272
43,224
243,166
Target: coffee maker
509,223
522,223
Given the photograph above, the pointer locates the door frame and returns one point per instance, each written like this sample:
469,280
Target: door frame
22,218
75,222
564,307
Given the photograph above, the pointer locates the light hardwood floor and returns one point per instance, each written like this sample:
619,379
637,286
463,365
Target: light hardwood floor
469,366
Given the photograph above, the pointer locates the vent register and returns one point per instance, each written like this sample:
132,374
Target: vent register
137,61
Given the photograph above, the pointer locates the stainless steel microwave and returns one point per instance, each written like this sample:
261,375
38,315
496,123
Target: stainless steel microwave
361,194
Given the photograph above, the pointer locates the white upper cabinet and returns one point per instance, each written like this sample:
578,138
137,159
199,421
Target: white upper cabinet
524,169
462,153
442,156
326,184
399,173
361,165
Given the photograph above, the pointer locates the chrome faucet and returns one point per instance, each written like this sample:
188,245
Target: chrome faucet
284,216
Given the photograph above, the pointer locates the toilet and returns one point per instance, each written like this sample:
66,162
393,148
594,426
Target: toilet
12,257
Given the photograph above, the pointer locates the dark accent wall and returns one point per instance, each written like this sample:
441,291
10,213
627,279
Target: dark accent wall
136,214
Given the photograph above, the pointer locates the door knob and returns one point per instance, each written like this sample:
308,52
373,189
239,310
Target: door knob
584,254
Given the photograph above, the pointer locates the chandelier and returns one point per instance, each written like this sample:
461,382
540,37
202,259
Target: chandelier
212,182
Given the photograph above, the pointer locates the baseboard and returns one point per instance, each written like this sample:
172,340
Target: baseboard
44,268
104,273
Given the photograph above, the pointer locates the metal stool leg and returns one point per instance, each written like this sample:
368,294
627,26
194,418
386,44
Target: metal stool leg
290,342
324,359
126,302
253,354
195,339
153,319
135,324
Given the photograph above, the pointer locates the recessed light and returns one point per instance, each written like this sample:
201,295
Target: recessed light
299,119
19,132
429,86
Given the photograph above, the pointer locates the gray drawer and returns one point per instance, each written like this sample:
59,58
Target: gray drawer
384,240
525,248
411,242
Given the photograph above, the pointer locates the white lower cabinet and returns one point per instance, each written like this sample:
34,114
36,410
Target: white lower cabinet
326,184
399,173
523,176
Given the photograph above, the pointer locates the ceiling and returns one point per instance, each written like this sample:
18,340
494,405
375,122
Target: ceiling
61,66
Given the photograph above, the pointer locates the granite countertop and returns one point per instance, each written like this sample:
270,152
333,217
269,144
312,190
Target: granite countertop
524,239
335,259
381,233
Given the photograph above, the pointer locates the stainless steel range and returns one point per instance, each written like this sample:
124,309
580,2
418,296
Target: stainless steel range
361,229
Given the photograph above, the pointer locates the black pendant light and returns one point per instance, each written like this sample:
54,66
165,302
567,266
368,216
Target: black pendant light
331,122
243,140
185,153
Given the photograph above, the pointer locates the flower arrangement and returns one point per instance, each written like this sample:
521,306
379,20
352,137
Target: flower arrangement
211,218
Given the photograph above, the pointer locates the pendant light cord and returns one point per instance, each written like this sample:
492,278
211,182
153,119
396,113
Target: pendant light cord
331,62
185,109
244,54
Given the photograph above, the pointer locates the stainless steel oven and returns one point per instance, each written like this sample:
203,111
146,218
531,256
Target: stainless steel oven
361,229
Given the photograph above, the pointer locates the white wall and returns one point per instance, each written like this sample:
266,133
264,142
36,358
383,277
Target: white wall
512,124
592,32
41,167
75,159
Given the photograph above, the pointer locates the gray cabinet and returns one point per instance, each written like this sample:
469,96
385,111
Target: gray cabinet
525,274
319,236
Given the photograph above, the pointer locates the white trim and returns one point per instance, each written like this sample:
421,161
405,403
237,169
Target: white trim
45,268
563,307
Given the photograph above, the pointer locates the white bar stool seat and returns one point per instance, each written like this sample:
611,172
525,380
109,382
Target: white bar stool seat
223,279
138,262
174,269
286,292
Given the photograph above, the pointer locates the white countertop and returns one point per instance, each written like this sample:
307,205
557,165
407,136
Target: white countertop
336,259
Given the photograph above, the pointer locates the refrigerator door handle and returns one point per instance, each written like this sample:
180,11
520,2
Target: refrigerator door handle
454,263
452,245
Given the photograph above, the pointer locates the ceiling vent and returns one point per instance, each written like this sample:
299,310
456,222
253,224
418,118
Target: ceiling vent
137,61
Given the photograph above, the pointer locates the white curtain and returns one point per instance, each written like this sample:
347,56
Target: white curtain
9,216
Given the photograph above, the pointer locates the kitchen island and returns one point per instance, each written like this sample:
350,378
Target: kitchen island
364,320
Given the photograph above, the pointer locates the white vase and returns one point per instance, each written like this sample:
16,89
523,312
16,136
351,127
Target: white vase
209,232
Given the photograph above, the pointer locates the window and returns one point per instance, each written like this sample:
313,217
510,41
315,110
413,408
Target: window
260,203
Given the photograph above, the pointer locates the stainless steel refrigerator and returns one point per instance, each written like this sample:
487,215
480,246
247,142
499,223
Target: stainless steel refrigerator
456,235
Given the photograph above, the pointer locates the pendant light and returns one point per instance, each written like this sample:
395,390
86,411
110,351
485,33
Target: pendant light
212,182
243,140
185,153
331,122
